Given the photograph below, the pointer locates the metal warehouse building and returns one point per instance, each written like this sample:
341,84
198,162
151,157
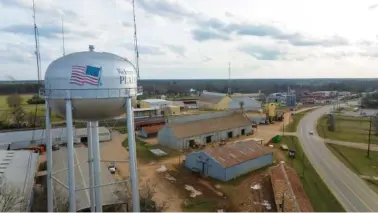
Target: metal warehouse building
149,131
18,168
24,139
202,129
230,161
82,178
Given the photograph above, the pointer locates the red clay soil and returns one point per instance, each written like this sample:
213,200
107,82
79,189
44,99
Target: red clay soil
291,187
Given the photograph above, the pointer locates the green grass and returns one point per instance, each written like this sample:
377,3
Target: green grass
5,110
144,153
319,194
200,205
356,159
292,127
354,129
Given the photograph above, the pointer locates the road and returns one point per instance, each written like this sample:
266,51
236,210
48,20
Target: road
351,191
355,145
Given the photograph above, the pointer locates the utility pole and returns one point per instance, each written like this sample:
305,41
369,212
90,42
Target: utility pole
64,51
368,150
229,79
136,42
303,163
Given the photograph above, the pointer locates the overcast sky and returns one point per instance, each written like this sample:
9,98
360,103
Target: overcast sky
195,39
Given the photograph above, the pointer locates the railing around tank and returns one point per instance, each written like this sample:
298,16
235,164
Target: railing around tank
90,93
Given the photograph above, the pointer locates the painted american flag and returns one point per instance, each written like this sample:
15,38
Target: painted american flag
85,74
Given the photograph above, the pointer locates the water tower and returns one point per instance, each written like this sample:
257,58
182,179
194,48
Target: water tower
90,86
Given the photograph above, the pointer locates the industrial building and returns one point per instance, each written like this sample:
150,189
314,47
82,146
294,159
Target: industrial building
82,178
149,131
288,189
249,104
211,101
82,134
189,131
186,104
227,162
18,168
145,113
220,101
23,139
154,103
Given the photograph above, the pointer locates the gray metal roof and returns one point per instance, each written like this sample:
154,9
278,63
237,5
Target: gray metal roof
36,135
83,131
19,168
82,178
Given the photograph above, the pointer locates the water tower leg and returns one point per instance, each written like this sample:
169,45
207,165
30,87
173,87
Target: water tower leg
70,146
96,166
132,156
90,165
49,184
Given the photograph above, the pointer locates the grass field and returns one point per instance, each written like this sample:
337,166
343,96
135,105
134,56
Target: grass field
356,160
144,153
292,127
354,129
320,196
27,108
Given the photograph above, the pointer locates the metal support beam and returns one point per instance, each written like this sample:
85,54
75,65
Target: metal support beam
60,182
70,146
107,184
50,190
90,165
96,165
132,155
115,161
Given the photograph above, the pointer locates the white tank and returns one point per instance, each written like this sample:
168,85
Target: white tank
98,83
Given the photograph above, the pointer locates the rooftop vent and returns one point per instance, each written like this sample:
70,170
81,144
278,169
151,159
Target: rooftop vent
91,48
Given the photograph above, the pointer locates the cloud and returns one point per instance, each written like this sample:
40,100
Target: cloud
51,31
164,8
262,53
371,7
146,49
179,50
225,30
206,35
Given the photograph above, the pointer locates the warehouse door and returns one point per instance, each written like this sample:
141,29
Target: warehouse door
208,139
229,134
242,132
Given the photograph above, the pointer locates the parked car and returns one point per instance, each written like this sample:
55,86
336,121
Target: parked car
55,147
311,132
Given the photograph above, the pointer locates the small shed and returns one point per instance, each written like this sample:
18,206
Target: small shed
150,131
230,161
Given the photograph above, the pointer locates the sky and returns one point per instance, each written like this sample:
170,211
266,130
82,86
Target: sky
197,39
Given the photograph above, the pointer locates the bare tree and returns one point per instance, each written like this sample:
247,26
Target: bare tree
241,104
11,198
14,100
147,204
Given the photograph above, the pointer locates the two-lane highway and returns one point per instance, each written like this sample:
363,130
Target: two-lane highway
351,191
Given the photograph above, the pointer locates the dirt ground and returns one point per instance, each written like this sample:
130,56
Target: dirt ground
267,132
243,197
165,192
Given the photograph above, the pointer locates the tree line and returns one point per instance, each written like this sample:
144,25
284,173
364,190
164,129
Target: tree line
220,85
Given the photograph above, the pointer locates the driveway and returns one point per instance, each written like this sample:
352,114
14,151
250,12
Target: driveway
352,192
